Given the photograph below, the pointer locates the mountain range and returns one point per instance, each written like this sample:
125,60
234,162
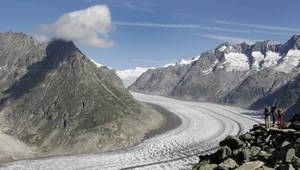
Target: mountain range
251,76
57,101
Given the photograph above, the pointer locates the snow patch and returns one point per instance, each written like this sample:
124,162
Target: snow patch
207,71
170,64
236,62
97,64
210,69
271,59
289,62
222,48
187,60
257,58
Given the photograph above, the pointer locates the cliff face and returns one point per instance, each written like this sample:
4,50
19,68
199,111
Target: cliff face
54,98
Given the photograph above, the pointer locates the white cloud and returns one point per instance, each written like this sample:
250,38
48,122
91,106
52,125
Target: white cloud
233,40
90,26
259,26
40,38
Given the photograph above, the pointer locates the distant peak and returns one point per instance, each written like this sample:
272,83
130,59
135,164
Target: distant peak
62,49
223,47
296,36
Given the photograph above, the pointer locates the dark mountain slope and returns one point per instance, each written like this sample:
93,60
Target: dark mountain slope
62,86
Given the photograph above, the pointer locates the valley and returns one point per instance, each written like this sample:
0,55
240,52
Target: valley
203,126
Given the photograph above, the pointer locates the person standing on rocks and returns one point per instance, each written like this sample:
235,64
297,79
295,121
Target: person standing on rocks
280,116
274,113
267,117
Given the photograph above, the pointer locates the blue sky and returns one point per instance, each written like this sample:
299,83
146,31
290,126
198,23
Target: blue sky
130,33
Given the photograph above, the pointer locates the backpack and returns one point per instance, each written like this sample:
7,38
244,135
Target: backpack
267,112
280,111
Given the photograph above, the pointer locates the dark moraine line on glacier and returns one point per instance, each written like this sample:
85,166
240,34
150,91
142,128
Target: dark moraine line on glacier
172,121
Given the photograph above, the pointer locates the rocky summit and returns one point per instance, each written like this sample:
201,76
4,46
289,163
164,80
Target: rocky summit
259,149
242,75
56,101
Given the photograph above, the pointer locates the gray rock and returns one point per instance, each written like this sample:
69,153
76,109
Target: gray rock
268,138
286,154
285,143
206,167
253,165
228,164
296,162
204,163
267,157
284,167
265,168
296,125
232,142
246,137
222,153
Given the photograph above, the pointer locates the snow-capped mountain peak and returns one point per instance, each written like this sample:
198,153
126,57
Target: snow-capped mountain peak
170,64
129,76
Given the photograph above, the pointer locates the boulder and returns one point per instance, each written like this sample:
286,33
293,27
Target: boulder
297,147
286,154
232,142
265,168
296,125
267,157
206,167
246,154
246,137
285,143
267,138
228,164
284,167
296,162
236,152
223,153
253,165
254,150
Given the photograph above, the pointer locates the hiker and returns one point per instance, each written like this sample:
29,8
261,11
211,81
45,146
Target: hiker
267,117
274,113
280,116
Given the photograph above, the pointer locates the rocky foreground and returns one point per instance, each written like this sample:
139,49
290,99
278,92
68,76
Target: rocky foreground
258,149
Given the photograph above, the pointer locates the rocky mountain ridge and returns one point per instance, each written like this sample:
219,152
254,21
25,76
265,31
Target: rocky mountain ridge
54,99
242,75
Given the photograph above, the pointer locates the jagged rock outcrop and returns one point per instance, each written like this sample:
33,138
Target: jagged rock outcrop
55,99
260,148
242,75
